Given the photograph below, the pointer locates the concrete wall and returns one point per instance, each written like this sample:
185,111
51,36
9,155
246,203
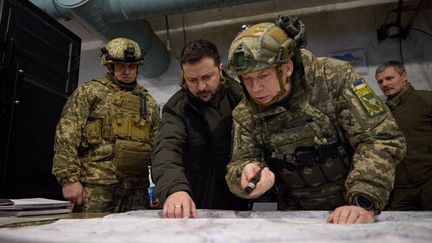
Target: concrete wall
328,32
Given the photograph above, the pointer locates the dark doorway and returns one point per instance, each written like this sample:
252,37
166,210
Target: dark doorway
39,64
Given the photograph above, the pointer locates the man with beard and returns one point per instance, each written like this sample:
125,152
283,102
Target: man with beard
193,145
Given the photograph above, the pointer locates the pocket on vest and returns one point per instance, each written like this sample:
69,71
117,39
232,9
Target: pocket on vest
132,157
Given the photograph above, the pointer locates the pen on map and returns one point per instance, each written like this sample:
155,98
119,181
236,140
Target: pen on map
252,184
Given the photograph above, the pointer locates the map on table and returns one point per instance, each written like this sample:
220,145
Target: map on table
223,226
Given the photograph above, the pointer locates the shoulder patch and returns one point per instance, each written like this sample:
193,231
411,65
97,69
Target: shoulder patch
367,97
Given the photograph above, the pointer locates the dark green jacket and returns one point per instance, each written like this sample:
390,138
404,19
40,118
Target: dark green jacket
188,155
413,112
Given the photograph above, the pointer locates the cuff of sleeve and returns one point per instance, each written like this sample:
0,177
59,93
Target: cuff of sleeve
370,193
63,181
177,188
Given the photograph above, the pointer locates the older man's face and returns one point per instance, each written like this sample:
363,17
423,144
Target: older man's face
390,81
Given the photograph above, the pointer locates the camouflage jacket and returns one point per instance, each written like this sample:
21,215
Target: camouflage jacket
329,102
85,147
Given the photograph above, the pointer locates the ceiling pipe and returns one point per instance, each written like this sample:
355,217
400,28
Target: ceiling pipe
126,18
120,10
271,16
53,9
156,56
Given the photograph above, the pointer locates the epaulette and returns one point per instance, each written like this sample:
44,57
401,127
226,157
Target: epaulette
139,90
108,83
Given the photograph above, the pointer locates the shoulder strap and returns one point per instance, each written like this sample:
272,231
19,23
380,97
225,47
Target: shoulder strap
108,83
139,90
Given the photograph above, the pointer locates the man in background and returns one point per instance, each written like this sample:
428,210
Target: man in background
412,110
193,145
105,136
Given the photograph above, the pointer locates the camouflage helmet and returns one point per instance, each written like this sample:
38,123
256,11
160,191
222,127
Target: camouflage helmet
258,47
121,50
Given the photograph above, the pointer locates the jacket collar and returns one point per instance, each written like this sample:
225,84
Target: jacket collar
401,97
122,86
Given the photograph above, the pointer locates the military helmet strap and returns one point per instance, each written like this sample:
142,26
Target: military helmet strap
109,83
116,81
282,82
282,90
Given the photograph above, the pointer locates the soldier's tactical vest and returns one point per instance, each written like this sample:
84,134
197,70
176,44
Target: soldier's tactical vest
303,146
125,128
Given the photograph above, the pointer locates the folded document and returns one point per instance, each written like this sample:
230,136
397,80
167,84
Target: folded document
35,206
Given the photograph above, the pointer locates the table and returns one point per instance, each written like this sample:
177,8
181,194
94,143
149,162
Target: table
227,226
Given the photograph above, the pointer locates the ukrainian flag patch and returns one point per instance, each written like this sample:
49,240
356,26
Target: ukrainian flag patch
368,99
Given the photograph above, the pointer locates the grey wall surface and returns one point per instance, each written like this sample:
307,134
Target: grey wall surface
328,32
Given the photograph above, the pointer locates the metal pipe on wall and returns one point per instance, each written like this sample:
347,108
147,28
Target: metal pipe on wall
156,56
126,18
117,11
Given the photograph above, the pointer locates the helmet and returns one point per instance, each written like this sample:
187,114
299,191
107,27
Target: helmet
259,47
121,50
267,45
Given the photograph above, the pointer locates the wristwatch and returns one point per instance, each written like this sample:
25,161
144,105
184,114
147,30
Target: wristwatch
363,202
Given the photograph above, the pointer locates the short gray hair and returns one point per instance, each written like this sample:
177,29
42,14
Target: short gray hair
400,69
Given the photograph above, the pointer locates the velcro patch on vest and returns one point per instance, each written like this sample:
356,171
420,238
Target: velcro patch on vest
369,100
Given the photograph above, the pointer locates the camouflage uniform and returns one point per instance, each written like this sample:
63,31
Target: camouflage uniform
104,140
329,140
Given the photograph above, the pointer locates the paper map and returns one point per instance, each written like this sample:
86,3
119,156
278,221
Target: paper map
227,226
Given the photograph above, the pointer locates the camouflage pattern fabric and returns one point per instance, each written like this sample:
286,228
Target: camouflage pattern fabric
114,198
275,49
84,151
325,95
120,50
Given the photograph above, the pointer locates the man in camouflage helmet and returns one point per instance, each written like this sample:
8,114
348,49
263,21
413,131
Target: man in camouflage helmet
312,127
105,136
